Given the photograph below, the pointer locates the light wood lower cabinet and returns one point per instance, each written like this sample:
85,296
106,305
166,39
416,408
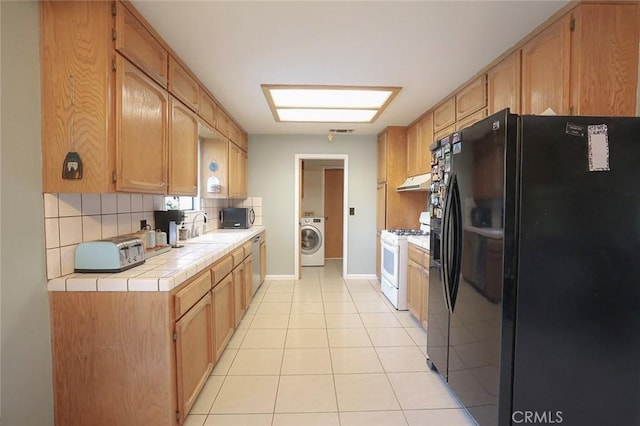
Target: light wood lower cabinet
194,352
414,288
418,283
113,358
248,279
141,358
263,259
239,290
223,315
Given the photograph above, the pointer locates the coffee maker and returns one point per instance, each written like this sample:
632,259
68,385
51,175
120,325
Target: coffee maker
164,217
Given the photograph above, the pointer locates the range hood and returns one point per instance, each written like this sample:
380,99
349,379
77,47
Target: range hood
416,183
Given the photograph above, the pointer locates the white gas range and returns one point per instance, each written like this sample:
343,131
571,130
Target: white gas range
394,258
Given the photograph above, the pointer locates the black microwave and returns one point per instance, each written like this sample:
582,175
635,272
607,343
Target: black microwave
237,218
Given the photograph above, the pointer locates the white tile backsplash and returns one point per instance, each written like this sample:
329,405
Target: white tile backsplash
73,218
124,203
51,205
124,223
136,202
109,225
53,263
69,205
109,203
67,259
52,233
147,203
70,230
91,228
91,204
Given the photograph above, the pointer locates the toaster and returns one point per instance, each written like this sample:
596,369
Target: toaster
115,254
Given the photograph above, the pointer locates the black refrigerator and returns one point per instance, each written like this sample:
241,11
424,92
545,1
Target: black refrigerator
534,286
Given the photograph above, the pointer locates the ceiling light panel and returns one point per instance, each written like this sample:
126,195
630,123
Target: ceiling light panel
317,98
329,104
326,115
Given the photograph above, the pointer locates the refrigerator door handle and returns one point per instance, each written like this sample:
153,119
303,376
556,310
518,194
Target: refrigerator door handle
446,245
456,223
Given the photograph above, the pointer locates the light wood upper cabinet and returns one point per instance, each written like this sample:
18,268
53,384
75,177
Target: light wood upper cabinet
382,157
237,172
223,122
503,85
425,139
471,119
243,141
419,138
183,85
545,70
381,206
77,53
194,353
412,150
604,59
445,115
183,150
471,98
136,43
141,131
223,313
395,209
208,109
444,132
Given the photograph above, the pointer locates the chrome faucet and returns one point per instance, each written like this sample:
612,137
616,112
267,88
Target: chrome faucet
193,223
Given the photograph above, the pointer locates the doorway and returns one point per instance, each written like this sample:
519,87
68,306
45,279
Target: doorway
321,194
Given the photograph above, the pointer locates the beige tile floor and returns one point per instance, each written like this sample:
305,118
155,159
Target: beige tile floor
321,351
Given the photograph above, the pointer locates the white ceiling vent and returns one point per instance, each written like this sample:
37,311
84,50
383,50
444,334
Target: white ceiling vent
341,131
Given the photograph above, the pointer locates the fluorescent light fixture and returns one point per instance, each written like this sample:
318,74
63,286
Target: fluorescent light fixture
327,104
326,115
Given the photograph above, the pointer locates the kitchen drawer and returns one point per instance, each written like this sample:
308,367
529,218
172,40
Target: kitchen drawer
191,293
418,255
222,269
247,249
238,256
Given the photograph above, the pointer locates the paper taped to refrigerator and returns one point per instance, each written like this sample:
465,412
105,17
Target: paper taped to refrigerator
598,143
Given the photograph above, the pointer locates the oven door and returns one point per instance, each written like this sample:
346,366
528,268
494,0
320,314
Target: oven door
390,262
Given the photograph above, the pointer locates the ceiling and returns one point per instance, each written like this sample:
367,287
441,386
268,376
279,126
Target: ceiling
427,47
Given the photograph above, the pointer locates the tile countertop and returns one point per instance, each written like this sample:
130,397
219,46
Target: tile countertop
163,272
419,240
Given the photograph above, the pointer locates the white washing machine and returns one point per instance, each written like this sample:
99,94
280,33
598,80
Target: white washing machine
312,243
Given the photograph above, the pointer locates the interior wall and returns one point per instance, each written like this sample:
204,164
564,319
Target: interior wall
271,174
27,391
312,199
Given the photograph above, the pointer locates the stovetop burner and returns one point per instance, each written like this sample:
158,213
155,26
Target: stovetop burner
407,232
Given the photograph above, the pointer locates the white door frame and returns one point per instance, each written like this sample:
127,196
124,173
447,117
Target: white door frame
296,208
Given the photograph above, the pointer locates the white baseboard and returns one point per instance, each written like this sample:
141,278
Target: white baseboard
360,277
279,277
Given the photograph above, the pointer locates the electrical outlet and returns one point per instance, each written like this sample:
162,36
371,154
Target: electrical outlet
352,211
